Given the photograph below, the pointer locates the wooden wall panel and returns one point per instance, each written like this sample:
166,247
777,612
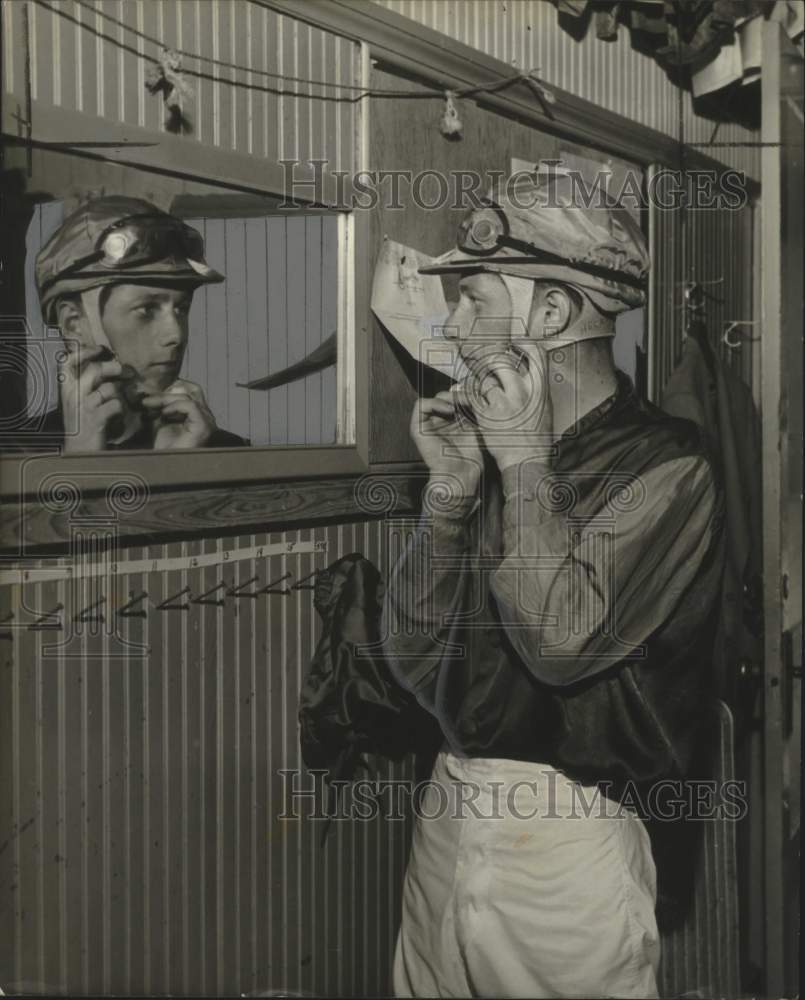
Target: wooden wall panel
405,137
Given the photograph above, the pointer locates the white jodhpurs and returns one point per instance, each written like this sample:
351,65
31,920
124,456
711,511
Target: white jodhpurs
522,883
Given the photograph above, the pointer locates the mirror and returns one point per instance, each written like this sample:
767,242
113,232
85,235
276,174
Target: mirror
257,359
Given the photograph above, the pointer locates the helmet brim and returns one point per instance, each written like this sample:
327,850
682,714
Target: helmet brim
187,276
610,295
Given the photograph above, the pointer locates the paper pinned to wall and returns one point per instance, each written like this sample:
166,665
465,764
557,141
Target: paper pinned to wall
412,307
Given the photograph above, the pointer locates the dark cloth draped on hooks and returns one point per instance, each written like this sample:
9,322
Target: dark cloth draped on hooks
350,703
703,389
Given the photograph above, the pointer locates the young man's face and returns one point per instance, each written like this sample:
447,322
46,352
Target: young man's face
147,327
481,319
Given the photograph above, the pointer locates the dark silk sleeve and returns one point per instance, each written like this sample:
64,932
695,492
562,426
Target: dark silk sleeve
575,599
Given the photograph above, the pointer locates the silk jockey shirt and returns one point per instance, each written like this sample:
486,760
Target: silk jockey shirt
569,617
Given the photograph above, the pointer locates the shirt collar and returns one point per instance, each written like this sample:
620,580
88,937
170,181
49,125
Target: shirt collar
623,395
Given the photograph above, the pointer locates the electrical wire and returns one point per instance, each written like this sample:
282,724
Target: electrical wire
543,94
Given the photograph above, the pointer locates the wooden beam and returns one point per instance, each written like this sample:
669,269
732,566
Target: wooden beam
36,530
21,475
771,269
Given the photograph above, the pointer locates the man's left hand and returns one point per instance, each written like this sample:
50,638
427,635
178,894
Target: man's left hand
512,404
181,417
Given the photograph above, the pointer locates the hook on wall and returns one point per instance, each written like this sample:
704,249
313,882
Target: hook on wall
206,599
47,620
85,616
274,588
240,592
169,604
732,336
694,293
127,612
303,583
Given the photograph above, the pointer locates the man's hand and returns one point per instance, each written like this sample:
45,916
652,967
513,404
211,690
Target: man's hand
512,405
180,415
449,445
91,398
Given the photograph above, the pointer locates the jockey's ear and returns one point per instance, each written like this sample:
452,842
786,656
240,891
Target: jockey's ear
72,319
553,311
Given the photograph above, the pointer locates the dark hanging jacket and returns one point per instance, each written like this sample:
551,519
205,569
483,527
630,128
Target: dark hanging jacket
703,389
350,703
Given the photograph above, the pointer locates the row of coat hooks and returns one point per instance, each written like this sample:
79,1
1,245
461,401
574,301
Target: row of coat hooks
180,601
693,302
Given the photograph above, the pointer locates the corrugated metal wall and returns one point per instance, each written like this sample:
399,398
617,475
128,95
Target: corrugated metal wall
87,55
527,34
144,852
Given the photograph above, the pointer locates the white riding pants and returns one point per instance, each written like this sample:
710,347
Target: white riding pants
522,883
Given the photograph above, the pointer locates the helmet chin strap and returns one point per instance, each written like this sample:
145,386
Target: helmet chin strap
90,300
130,421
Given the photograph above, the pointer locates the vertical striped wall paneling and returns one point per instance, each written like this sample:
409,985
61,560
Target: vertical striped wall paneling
716,248
527,34
145,853
81,59
700,956
278,303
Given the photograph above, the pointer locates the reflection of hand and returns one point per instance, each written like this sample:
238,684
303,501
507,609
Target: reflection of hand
449,445
90,397
513,408
180,415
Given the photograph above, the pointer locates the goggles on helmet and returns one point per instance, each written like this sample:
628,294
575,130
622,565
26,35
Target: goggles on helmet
486,232
138,240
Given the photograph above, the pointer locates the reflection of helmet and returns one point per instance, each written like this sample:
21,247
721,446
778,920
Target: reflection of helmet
538,231
117,239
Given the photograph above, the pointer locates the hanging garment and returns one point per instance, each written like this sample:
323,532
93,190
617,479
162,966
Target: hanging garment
350,704
721,404
674,32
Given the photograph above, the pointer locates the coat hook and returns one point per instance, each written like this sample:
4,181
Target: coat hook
205,597
84,615
126,612
240,592
45,623
271,588
694,294
733,325
168,603
303,584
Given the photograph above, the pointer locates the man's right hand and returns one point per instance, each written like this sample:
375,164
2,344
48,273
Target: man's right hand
90,397
448,443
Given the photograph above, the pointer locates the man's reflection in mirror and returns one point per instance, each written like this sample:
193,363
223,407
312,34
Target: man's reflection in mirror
117,278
